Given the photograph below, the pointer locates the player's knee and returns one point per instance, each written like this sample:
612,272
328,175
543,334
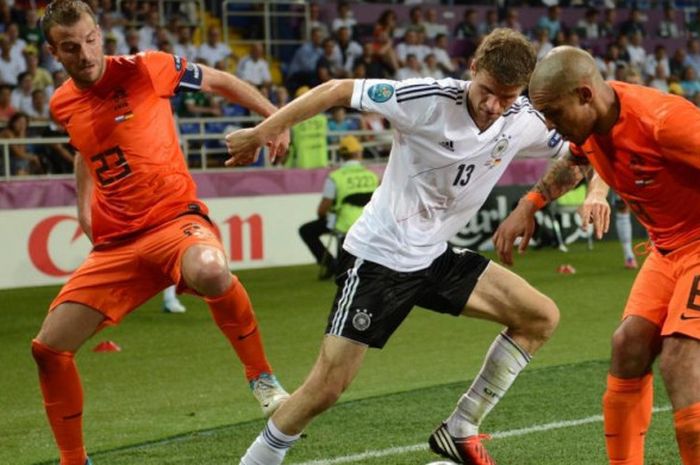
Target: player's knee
48,358
210,274
678,360
542,322
326,394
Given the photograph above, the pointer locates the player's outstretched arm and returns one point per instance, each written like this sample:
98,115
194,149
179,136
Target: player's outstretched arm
236,90
595,209
562,176
84,186
243,145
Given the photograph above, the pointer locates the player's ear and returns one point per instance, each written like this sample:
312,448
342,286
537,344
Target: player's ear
585,94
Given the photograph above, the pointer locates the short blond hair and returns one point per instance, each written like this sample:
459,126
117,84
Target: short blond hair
64,13
507,55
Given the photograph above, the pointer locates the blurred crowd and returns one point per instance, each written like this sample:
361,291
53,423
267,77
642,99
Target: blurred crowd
338,46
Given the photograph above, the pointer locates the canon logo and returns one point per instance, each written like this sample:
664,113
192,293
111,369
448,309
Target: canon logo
46,244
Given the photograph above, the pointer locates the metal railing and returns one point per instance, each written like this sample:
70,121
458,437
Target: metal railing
194,147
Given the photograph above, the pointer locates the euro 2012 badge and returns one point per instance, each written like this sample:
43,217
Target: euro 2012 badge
380,93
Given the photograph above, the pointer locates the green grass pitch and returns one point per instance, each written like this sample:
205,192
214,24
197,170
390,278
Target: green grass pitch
176,393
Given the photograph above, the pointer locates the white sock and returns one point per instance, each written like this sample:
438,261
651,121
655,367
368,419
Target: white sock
503,362
623,224
270,447
169,294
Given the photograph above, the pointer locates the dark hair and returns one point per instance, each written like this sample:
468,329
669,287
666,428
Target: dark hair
508,56
15,117
64,13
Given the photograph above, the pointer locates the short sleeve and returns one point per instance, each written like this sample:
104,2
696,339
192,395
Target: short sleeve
329,190
678,134
544,143
170,73
405,104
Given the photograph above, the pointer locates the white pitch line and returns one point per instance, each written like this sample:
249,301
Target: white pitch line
497,435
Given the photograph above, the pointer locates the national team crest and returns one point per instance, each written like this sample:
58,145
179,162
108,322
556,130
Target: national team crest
380,93
498,151
362,320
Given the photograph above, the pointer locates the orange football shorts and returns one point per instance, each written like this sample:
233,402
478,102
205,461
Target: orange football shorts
667,291
116,279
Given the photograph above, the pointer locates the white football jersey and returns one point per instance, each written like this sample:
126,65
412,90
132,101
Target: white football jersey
441,168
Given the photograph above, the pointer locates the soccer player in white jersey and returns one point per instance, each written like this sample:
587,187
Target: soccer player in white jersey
452,141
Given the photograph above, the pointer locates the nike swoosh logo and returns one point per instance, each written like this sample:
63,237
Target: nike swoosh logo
240,338
685,317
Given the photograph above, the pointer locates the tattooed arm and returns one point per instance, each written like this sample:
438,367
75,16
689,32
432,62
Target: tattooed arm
562,176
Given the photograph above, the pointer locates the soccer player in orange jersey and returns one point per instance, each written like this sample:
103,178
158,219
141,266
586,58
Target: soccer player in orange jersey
646,145
138,204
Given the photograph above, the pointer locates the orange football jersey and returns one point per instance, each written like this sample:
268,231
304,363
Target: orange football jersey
124,129
651,158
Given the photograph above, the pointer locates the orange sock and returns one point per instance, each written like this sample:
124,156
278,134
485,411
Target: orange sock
627,408
687,422
63,400
234,315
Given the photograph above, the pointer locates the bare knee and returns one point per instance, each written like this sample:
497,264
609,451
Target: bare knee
539,323
634,348
680,370
325,392
206,271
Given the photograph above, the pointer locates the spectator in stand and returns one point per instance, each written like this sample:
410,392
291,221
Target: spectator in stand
432,25
39,110
374,64
197,104
431,68
41,78
572,39
468,27
147,31
674,85
412,69
349,50
344,18
668,28
386,23
331,59
659,79
633,24
132,41
22,94
677,63
442,55
693,27
111,48
383,50
411,46
254,69
302,68
489,24
608,26
17,44
10,65
315,20
551,21
6,108
111,29
30,31
214,52
623,42
621,72
692,58
542,43
359,70
636,50
22,161
48,61
690,83
511,20
653,61
415,20
5,15
59,77
587,26
58,158
609,63
339,122
184,46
